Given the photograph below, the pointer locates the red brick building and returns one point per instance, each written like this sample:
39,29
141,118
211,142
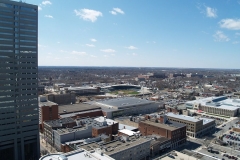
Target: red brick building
174,131
104,126
47,111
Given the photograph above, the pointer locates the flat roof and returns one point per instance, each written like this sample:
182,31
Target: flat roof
123,102
189,118
218,102
80,88
59,122
103,119
46,103
158,139
118,146
71,108
183,117
179,156
76,113
169,125
76,155
127,132
122,126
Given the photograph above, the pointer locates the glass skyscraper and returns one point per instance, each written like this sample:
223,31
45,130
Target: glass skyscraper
19,131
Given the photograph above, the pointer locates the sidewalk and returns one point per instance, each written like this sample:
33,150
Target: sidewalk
47,146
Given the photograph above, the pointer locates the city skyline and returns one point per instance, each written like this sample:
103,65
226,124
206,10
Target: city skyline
188,34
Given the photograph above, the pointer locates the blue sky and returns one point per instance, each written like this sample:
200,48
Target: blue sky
139,33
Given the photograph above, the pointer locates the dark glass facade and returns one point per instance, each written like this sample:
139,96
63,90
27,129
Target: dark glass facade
19,133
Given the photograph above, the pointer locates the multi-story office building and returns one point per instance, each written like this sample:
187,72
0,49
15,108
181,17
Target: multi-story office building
196,127
19,133
161,126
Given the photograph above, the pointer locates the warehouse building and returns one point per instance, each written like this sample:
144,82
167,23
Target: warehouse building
126,106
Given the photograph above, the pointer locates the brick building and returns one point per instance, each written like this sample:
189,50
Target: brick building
159,145
62,99
51,125
160,125
47,111
58,132
80,110
104,126
196,127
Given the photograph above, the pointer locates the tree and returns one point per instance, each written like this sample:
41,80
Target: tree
44,152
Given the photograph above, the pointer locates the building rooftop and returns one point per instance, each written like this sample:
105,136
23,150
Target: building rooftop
80,88
123,126
59,122
181,156
119,103
218,102
76,113
46,103
169,125
117,145
127,132
189,118
78,154
42,101
72,108
156,139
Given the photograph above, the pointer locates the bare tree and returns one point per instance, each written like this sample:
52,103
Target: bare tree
44,152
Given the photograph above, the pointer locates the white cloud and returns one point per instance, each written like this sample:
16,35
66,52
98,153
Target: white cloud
93,40
108,50
39,8
79,53
233,24
118,10
113,12
90,45
46,2
211,12
88,14
48,16
220,37
105,56
58,42
132,47
113,54
236,42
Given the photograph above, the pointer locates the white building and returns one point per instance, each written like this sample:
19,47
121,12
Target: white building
79,154
216,105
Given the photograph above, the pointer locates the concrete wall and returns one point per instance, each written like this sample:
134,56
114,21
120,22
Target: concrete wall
72,136
138,152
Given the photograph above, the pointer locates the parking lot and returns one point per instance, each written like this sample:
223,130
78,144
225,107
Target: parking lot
233,140
220,154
